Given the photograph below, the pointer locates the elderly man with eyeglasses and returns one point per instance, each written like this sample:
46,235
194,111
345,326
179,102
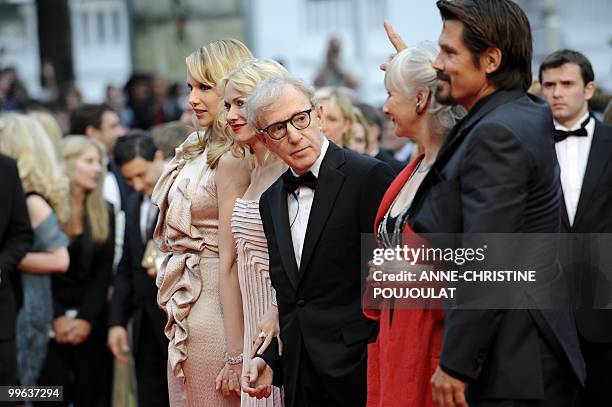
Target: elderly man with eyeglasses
313,218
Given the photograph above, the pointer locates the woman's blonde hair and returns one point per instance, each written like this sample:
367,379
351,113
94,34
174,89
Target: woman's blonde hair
25,140
245,79
339,98
50,124
71,148
208,65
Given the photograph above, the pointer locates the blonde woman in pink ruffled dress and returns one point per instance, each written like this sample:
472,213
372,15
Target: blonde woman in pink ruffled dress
195,196
259,310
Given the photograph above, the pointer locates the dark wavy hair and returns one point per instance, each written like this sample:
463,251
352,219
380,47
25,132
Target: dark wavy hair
495,24
137,143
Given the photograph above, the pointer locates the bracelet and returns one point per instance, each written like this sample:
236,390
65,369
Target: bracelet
274,299
233,360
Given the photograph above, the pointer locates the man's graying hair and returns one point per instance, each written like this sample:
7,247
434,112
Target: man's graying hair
268,92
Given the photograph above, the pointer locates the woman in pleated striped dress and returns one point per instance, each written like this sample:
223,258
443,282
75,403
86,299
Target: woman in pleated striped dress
258,303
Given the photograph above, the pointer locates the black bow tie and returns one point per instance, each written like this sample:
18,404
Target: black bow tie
291,182
561,135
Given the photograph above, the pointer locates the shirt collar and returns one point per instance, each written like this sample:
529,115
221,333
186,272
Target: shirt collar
317,164
575,126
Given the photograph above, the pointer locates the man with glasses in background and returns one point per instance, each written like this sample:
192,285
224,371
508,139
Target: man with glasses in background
313,217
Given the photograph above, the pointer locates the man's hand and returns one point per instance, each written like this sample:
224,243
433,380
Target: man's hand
118,343
79,331
395,40
228,380
447,391
257,378
62,326
268,325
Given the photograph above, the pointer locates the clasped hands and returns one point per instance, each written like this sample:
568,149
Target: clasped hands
228,380
256,381
257,375
71,331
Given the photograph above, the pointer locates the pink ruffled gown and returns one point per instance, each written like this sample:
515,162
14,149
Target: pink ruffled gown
188,281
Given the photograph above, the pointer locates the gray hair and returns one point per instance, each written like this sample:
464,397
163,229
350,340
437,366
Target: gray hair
268,92
412,70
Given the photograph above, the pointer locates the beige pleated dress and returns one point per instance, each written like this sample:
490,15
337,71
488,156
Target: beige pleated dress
188,281
255,285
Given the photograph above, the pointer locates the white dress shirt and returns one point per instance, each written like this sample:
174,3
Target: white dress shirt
573,155
299,205
111,192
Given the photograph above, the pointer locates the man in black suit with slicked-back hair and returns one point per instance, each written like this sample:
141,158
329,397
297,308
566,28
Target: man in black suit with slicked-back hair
497,173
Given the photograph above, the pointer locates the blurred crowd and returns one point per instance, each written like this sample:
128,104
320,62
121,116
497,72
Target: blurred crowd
149,101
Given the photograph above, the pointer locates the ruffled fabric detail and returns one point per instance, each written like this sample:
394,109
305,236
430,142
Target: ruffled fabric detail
179,279
177,292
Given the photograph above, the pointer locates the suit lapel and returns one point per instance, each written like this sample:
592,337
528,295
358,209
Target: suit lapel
481,109
280,219
598,159
328,185
456,136
565,223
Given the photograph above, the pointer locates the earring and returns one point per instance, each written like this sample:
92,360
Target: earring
418,107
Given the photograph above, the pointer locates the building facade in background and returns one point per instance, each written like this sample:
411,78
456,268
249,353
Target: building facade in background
113,38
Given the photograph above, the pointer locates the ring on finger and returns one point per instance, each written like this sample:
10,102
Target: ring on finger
262,334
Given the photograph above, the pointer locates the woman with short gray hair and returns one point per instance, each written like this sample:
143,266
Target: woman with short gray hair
403,359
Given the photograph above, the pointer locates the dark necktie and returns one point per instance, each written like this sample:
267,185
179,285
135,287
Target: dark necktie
561,135
151,221
291,182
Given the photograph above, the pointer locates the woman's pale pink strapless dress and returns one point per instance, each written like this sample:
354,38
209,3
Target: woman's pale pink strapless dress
188,281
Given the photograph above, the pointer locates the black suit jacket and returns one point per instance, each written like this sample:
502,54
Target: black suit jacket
386,156
134,292
15,240
320,304
585,256
497,173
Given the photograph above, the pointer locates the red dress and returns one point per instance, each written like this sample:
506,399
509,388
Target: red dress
407,351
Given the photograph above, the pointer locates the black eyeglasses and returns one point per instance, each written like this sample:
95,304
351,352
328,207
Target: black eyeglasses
278,130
